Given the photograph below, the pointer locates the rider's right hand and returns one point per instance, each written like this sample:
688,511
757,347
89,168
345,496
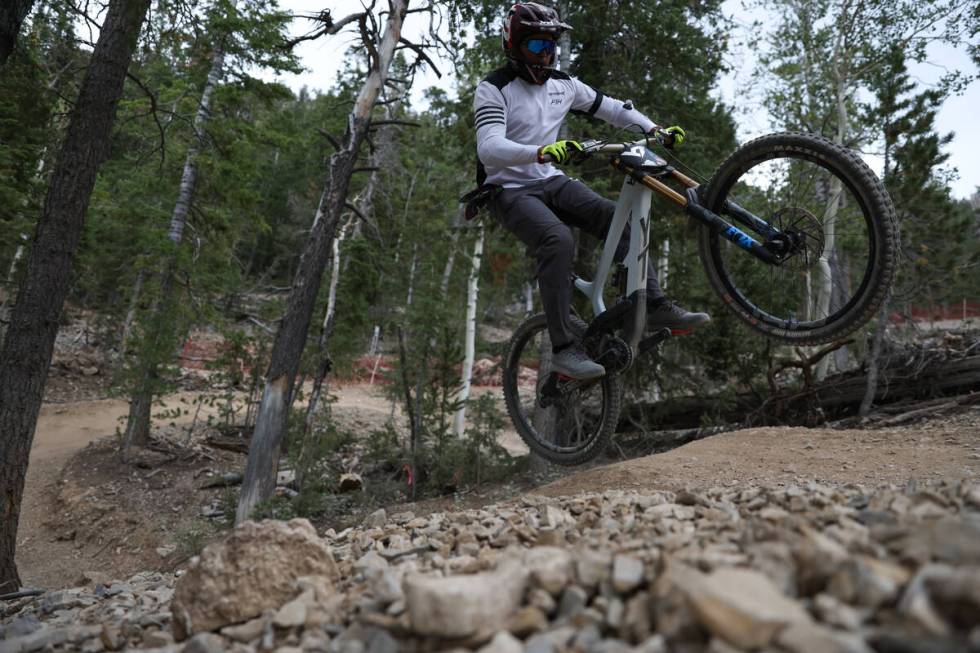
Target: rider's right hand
558,151
672,137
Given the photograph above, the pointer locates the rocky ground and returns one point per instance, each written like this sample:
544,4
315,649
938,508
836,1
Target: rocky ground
794,568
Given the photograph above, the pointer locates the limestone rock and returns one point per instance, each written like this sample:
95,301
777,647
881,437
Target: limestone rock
741,606
503,642
627,573
459,606
550,568
252,570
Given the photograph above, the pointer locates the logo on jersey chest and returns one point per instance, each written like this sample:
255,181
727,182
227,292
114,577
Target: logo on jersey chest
556,97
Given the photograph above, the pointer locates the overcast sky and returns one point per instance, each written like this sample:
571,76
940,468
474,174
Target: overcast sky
323,59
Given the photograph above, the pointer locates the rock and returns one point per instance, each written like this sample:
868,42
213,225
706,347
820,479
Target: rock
956,596
572,602
916,604
370,560
90,371
836,613
553,517
948,540
350,482
252,570
247,632
550,568
205,643
866,582
293,613
592,567
627,573
166,550
111,637
376,519
459,606
503,642
636,625
385,586
20,626
806,637
527,621
45,637
741,606
158,639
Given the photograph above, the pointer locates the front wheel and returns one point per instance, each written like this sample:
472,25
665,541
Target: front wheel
563,421
840,221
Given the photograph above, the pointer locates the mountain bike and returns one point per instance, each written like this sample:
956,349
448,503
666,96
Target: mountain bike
796,235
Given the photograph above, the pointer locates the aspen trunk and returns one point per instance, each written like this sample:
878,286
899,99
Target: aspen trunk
323,366
263,456
874,361
131,312
825,287
29,343
472,294
138,424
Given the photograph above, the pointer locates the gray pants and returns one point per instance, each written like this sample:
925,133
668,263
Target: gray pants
542,215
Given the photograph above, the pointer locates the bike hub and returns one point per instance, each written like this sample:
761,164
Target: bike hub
800,241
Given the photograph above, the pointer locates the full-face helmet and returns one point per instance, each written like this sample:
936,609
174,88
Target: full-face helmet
523,20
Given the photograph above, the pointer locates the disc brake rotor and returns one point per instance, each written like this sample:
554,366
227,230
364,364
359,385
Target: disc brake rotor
806,236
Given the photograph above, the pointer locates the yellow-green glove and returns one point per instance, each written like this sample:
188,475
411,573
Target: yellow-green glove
673,137
558,151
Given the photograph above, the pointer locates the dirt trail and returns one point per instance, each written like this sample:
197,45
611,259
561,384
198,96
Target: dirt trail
945,448
769,456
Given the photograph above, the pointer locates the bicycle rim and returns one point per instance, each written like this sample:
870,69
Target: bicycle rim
566,431
826,286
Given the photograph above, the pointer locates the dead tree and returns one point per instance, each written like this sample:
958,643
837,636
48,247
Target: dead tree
270,426
29,343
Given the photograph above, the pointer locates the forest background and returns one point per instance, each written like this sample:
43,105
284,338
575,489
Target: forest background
214,173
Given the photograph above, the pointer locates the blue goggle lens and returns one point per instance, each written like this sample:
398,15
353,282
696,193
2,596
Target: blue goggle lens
537,46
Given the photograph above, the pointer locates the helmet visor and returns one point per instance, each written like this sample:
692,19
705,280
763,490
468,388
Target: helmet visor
538,46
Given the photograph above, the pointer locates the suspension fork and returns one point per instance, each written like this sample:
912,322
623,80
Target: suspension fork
689,201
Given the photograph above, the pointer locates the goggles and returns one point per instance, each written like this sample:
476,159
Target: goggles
537,46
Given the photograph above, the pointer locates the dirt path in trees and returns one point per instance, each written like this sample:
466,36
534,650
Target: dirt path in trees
69,524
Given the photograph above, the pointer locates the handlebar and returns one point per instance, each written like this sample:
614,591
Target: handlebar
593,146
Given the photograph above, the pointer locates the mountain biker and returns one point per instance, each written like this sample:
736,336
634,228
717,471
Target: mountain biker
518,110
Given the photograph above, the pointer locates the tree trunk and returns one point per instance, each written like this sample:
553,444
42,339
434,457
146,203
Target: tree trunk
138,425
131,312
472,294
323,366
27,349
825,287
871,389
12,15
263,455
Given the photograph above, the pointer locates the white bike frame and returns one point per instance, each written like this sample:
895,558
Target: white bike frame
633,207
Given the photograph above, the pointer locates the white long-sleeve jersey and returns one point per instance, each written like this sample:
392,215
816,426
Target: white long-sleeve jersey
514,118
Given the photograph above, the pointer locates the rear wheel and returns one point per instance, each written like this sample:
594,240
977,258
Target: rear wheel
841,230
564,421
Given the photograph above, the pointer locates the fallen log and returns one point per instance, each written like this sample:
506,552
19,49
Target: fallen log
907,384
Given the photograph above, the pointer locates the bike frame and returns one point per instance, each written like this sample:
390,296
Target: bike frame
633,208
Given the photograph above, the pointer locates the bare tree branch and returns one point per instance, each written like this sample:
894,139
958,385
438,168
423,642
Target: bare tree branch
153,111
328,26
326,135
421,54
